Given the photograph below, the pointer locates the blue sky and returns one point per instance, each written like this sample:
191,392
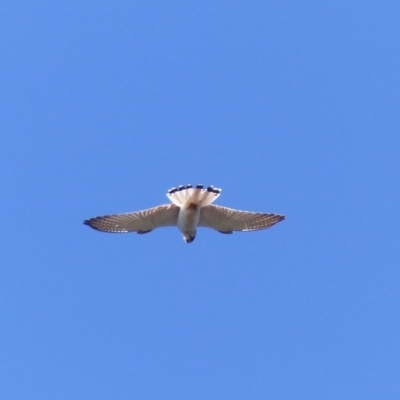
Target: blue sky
289,107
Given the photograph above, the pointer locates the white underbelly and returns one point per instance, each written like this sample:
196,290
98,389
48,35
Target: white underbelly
188,219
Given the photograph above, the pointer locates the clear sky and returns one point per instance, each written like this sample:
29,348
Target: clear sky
290,107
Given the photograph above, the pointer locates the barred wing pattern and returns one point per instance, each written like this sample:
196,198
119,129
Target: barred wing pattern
141,221
227,220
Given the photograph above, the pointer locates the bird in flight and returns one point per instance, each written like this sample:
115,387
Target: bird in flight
190,208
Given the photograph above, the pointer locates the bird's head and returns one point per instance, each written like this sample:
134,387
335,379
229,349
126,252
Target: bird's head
189,238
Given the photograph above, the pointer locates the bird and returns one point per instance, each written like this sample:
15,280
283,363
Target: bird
189,209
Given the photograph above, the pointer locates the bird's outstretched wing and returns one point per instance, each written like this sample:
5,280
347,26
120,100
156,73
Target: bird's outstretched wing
227,220
140,221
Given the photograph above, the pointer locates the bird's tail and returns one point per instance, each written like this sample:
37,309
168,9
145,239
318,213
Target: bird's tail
184,195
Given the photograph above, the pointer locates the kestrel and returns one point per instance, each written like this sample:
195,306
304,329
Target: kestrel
190,208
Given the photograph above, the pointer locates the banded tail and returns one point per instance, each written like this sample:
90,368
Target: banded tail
185,195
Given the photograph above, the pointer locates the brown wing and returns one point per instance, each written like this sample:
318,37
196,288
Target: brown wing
227,220
140,221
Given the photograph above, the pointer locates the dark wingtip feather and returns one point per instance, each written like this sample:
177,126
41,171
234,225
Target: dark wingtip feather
89,222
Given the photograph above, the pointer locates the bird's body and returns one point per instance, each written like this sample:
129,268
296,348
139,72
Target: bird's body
188,220
190,208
